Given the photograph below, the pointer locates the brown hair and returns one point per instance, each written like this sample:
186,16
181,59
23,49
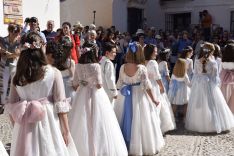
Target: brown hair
148,51
186,51
217,51
30,63
135,57
91,56
14,28
228,53
180,68
207,49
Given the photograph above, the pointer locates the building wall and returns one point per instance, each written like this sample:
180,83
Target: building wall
82,10
219,9
120,14
44,10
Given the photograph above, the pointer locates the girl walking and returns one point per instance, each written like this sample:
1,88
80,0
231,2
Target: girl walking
227,75
38,106
92,120
166,114
179,90
135,106
207,108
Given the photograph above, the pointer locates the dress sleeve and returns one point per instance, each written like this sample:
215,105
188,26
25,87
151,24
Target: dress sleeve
72,68
75,81
215,73
98,73
153,71
62,104
120,80
13,95
110,77
187,81
165,68
145,82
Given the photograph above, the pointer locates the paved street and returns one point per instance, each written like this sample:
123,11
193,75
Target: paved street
178,143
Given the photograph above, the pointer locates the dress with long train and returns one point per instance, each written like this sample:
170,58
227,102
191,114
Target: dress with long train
34,108
207,109
141,129
166,115
92,121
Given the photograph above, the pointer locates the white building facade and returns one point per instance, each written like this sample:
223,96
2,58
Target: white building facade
176,13
128,15
44,10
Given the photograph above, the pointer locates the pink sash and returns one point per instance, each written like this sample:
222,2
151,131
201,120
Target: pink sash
28,111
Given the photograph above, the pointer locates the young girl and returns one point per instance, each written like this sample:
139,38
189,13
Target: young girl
135,106
163,68
207,109
187,54
93,123
38,106
179,91
227,75
166,114
59,55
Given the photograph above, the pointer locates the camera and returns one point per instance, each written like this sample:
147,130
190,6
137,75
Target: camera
27,20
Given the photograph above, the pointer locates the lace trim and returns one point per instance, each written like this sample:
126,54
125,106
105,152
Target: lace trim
63,106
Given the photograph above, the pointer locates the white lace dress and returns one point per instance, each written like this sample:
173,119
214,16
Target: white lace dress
145,137
67,79
34,137
3,151
164,71
207,109
166,114
92,121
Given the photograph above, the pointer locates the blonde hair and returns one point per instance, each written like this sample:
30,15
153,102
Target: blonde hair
135,57
180,68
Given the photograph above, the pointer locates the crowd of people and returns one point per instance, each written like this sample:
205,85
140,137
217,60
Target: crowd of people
91,91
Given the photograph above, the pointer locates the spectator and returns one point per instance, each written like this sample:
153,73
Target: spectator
49,33
206,22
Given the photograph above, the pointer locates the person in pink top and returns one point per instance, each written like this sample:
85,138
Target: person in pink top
227,75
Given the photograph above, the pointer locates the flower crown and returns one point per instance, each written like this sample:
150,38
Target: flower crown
33,45
89,49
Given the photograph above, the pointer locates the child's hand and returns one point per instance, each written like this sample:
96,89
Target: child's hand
156,102
99,86
162,90
65,137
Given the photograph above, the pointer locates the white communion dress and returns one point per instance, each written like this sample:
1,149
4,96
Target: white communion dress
207,109
166,115
137,114
34,108
92,121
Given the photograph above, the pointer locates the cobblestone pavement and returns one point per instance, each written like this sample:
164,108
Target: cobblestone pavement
178,143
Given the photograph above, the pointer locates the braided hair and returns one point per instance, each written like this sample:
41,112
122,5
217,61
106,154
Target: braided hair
207,49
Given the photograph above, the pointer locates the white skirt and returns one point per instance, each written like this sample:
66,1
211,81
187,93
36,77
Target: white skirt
146,135
207,109
94,126
45,137
178,93
166,114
